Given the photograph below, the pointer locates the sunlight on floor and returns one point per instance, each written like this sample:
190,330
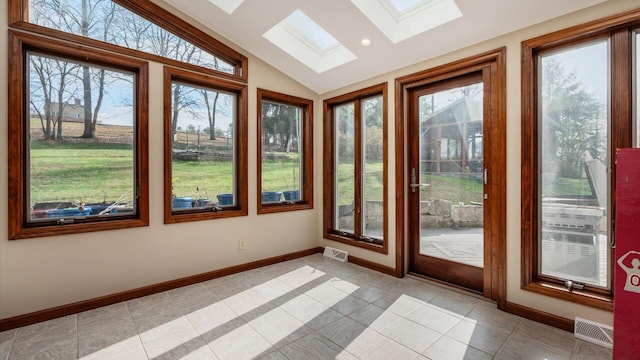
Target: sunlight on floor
222,319
308,308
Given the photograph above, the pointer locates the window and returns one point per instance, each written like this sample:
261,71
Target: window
577,110
63,180
205,142
285,169
355,168
78,120
119,26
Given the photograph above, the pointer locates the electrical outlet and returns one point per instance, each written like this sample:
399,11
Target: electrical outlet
242,245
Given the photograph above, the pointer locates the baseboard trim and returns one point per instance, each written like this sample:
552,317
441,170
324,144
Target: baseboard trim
69,309
372,265
540,316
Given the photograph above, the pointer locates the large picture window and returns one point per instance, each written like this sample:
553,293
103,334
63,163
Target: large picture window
205,142
577,109
78,109
130,27
354,164
64,179
285,148
574,163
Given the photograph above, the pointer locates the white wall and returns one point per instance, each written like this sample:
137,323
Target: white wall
512,41
41,273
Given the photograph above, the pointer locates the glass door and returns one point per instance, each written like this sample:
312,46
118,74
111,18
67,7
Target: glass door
447,177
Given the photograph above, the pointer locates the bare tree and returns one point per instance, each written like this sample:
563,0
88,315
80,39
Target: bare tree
52,82
90,18
212,105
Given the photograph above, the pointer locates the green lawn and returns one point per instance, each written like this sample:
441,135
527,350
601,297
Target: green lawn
564,187
75,174
454,189
373,181
202,178
93,172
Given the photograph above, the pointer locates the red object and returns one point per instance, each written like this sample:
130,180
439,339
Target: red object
626,304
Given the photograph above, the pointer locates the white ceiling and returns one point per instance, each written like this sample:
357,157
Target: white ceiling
481,20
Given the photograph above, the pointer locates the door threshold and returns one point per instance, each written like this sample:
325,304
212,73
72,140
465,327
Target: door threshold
448,286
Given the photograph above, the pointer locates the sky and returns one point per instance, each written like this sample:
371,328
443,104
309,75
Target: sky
593,74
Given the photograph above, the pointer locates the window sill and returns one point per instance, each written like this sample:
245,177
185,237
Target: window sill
582,297
282,207
199,215
76,228
361,244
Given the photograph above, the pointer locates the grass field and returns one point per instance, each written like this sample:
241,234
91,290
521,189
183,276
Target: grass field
454,189
564,187
98,170
80,172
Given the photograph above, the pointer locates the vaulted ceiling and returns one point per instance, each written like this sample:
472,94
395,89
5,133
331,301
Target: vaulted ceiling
387,24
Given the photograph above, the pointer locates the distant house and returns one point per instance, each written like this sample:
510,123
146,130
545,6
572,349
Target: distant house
72,112
451,139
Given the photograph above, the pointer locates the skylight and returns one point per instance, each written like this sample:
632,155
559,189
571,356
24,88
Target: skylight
403,5
308,29
402,19
228,6
308,42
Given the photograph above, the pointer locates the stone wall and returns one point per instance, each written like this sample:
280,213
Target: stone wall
435,213
439,213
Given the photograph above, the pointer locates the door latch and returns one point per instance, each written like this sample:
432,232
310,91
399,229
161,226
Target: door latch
413,185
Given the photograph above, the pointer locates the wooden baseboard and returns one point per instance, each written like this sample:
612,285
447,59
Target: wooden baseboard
69,309
373,266
539,316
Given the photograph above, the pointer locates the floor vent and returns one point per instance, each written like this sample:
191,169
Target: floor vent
335,254
594,332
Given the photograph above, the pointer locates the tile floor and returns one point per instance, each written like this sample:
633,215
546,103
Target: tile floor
309,308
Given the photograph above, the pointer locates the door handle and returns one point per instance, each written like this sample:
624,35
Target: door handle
413,185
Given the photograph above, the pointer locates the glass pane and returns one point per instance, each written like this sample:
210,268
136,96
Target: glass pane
203,158
345,167
373,176
106,21
281,152
574,182
451,171
81,148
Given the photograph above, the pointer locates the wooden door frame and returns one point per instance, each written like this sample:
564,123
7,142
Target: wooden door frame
495,87
465,275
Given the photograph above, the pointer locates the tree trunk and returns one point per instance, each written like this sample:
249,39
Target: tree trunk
176,109
212,118
88,132
98,102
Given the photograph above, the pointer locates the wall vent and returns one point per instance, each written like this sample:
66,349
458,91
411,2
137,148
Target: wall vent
335,254
594,332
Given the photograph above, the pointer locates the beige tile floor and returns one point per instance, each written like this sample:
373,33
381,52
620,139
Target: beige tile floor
309,308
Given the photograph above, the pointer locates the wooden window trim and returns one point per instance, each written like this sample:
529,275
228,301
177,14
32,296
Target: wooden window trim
329,171
617,28
18,19
307,152
240,90
17,150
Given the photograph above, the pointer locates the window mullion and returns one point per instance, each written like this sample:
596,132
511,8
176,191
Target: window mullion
621,116
359,167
